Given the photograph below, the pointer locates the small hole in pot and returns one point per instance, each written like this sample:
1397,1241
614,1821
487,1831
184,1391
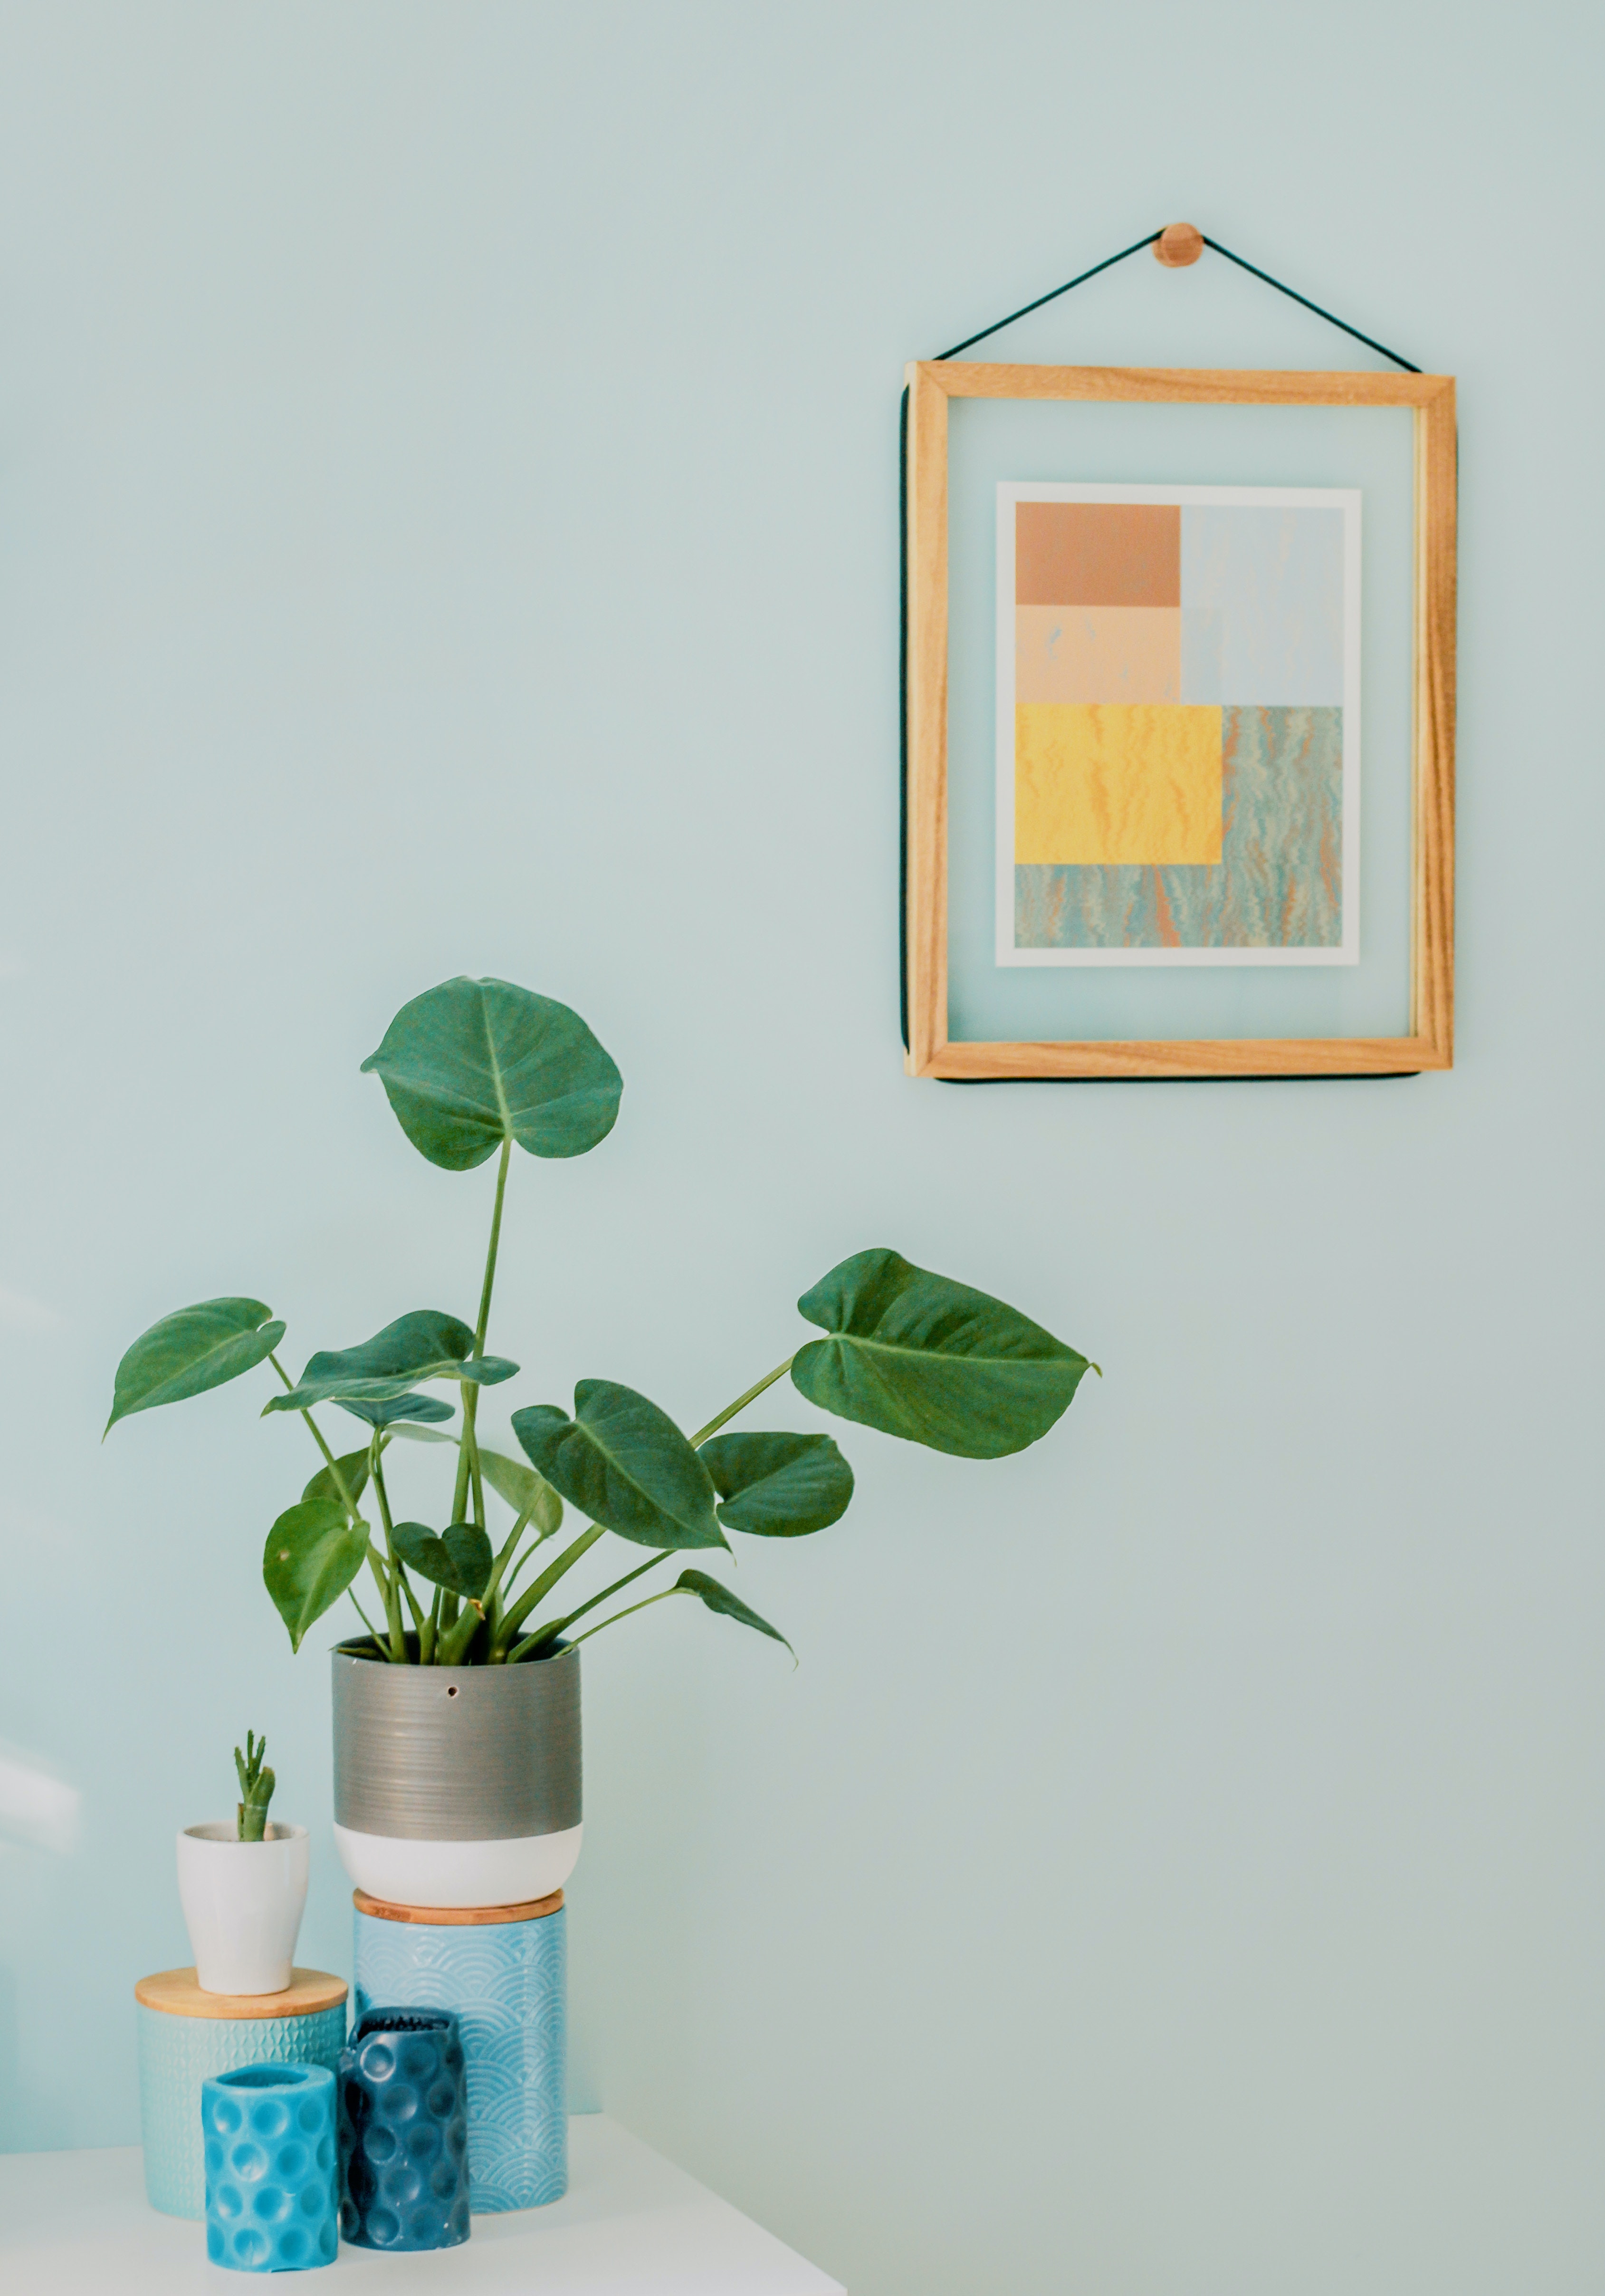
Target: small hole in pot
451,1689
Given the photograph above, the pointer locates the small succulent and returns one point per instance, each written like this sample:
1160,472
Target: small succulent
256,1788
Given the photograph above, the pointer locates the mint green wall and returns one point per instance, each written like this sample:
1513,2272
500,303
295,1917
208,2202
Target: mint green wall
447,521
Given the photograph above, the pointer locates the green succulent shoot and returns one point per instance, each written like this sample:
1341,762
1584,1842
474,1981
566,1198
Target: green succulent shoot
471,1070
256,1788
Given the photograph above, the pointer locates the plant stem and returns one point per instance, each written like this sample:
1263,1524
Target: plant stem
347,1500
555,1626
367,1621
395,1578
729,1412
469,1454
543,1585
629,1614
428,1631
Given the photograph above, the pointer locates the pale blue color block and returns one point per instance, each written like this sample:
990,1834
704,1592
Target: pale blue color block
1262,606
177,2053
506,1982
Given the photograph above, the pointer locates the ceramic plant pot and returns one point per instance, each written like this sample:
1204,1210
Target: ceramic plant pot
243,1904
457,1786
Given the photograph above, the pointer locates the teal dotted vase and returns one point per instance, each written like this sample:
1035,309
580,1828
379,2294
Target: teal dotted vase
404,2131
187,2036
501,1972
270,2167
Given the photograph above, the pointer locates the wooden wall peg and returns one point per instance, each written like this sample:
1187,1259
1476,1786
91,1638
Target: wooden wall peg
1177,244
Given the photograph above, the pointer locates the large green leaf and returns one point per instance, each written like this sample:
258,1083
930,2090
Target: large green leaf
401,1406
459,1558
424,1345
719,1598
625,1463
312,1555
191,1350
475,1062
929,1359
525,1491
354,1470
778,1485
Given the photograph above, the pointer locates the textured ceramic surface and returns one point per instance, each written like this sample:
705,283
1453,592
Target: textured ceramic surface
242,1904
268,2132
507,1984
459,1874
472,1753
177,2053
404,2131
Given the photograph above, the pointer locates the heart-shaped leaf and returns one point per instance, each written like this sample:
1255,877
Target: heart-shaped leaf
728,1606
401,1406
778,1485
312,1555
918,1356
475,1062
424,1345
353,1471
625,1463
525,1491
459,1558
191,1350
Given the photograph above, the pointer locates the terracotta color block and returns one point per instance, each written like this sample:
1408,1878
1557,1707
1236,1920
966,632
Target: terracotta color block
1097,653
1097,553
1104,784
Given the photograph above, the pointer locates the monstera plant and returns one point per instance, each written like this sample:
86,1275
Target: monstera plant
472,1069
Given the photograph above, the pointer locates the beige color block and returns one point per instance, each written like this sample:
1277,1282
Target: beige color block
1106,783
1097,653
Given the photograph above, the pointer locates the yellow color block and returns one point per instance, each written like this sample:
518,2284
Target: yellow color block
1116,782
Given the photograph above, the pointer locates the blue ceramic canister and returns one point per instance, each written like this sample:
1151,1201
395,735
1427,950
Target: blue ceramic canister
187,2036
502,1970
404,2131
270,2167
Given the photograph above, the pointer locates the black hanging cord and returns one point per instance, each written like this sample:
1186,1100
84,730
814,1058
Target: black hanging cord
1370,343
1051,297
1136,247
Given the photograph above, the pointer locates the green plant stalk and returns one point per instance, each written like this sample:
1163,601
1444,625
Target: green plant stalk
628,1613
730,1410
346,1501
493,1591
399,1580
542,1586
255,1789
367,1621
470,1392
554,1626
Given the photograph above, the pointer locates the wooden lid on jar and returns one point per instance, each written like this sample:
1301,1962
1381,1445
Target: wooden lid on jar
177,1992
451,1917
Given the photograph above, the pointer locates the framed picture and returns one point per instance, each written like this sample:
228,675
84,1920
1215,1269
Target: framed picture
1177,778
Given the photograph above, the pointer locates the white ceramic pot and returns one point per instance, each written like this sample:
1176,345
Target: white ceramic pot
243,1904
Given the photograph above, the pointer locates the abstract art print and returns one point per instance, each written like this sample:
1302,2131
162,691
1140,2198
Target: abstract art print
1178,768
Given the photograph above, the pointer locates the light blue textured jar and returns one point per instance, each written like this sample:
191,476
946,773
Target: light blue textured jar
184,2041
270,2167
506,1980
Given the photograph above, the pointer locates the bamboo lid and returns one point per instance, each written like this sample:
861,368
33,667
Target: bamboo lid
451,1917
177,1992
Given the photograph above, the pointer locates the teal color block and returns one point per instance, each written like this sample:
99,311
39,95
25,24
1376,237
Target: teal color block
1279,881
1262,606
506,1982
177,2053
268,2131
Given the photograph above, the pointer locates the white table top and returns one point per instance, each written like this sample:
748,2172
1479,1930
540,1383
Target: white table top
76,2224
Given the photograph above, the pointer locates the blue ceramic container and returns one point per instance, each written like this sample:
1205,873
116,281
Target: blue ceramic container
506,1982
178,2052
404,2131
270,2167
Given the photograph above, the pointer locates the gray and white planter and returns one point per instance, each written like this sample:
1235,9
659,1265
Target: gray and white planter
457,1786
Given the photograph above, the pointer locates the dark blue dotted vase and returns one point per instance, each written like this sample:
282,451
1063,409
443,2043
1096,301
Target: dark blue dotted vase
404,2131
268,2135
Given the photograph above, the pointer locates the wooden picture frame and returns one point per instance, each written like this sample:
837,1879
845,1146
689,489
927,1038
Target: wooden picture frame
1429,1044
